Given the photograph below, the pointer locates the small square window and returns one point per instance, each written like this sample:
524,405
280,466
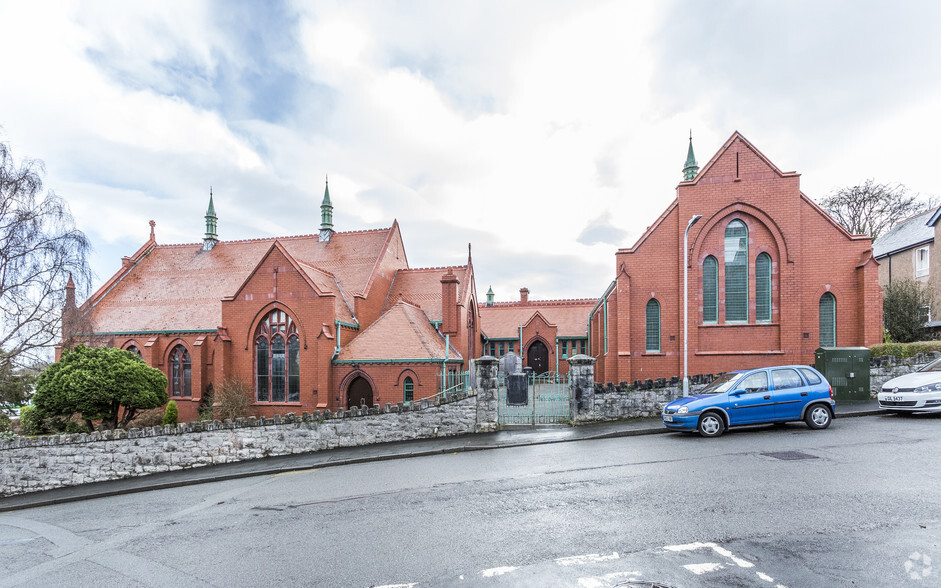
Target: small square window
921,262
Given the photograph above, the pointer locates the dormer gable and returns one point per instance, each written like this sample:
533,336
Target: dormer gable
538,321
271,271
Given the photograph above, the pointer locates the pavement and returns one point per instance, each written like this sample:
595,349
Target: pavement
520,437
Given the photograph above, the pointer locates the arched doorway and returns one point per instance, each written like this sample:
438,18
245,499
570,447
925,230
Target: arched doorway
538,357
359,393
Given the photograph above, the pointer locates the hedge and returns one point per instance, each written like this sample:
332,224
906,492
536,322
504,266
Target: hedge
903,350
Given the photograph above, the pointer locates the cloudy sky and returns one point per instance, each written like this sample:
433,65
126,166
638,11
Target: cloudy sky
547,134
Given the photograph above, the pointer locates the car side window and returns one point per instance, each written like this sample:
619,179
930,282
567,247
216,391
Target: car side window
757,382
786,379
811,376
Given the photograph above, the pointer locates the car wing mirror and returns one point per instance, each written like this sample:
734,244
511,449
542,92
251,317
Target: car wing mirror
737,393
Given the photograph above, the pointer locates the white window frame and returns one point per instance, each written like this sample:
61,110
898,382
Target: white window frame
921,262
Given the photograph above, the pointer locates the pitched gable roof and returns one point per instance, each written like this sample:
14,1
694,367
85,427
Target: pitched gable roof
905,235
708,169
180,287
410,331
503,319
421,287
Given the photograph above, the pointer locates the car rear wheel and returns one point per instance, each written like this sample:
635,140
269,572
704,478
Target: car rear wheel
818,417
711,425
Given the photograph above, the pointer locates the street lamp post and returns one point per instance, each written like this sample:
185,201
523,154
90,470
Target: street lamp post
691,222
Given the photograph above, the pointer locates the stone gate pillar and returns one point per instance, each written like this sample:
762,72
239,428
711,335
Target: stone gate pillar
487,382
582,384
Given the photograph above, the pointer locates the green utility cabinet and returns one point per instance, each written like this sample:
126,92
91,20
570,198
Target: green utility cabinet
847,370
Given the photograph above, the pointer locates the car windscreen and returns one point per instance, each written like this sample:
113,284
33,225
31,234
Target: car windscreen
723,383
934,366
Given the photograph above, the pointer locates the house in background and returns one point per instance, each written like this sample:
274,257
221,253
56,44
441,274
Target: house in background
905,252
322,321
543,332
771,277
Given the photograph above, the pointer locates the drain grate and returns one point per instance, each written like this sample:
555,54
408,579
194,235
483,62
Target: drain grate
790,455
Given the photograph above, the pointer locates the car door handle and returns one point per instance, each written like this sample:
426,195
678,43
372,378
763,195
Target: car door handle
803,394
767,398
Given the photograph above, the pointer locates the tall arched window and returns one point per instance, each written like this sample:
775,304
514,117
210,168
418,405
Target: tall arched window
277,359
408,389
763,288
827,320
736,272
133,349
710,290
180,372
653,325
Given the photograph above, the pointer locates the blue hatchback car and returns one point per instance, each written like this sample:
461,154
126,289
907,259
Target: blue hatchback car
749,397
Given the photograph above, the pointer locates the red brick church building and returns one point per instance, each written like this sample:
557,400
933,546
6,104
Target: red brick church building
322,321
771,277
337,319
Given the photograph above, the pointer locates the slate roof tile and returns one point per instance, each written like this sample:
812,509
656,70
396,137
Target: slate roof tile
904,235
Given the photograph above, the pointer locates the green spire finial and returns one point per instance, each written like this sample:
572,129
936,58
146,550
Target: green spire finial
490,296
691,168
326,208
211,238
326,213
211,219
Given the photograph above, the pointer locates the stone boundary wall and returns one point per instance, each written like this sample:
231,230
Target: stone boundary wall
614,402
30,464
883,369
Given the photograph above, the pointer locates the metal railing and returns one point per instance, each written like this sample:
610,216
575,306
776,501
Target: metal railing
450,383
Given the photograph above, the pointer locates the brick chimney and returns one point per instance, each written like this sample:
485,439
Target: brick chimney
449,303
524,296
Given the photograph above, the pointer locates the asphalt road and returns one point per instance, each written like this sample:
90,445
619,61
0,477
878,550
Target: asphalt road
854,505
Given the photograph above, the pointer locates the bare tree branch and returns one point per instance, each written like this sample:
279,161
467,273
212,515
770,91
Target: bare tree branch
39,249
872,209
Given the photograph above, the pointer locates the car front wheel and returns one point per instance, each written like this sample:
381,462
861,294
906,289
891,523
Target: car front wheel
711,425
818,417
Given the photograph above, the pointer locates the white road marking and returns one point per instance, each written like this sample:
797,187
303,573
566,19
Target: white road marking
577,560
412,585
608,579
720,550
712,567
703,568
497,571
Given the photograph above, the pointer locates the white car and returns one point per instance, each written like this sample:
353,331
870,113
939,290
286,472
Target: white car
918,391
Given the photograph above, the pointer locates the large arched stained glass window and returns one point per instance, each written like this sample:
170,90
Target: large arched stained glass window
180,372
827,320
277,359
653,326
736,272
710,290
763,288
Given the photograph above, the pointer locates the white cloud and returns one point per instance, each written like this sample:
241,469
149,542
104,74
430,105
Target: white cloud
517,126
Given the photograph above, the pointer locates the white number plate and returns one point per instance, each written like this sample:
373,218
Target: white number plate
895,398
667,418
